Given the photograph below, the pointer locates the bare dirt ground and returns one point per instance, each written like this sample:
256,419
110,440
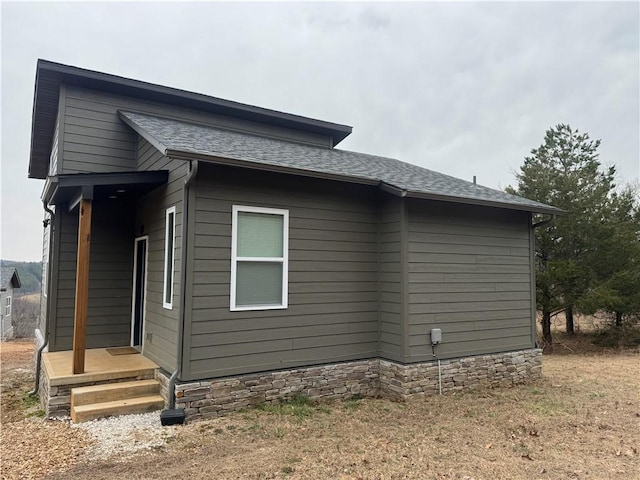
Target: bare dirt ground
581,421
16,371
30,447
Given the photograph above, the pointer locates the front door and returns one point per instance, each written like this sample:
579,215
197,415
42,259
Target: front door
139,291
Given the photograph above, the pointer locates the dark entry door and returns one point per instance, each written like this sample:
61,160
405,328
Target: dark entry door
139,292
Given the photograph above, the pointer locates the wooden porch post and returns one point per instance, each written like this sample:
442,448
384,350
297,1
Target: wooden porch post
82,286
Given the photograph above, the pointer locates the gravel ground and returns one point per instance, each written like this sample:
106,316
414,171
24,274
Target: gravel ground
120,437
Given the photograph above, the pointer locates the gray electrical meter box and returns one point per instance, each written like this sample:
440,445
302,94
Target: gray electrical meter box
436,336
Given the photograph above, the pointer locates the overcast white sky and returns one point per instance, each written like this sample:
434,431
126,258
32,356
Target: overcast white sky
462,88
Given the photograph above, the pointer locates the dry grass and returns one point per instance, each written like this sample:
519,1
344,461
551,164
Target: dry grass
579,422
31,297
582,343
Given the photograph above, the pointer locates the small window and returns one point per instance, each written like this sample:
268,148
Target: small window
259,258
169,254
7,306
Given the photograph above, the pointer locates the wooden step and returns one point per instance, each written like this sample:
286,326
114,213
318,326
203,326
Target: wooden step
109,392
84,413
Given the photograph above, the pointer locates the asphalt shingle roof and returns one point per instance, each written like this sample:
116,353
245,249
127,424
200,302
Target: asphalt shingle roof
173,135
6,276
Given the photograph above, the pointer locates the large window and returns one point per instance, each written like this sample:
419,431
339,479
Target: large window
259,253
169,252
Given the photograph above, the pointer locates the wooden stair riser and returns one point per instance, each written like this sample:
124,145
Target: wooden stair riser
85,413
113,391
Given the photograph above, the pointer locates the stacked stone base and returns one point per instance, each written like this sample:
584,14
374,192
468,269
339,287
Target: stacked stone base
216,397
399,381
367,378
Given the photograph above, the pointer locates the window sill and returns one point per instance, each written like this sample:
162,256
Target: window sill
258,308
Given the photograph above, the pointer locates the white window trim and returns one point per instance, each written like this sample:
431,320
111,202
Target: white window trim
7,306
133,291
169,211
284,259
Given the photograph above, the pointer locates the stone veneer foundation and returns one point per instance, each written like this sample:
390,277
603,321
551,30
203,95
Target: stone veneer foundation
400,381
367,378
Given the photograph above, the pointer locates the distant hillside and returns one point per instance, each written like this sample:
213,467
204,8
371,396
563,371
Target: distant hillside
30,274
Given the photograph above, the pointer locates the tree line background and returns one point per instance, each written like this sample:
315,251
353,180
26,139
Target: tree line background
588,257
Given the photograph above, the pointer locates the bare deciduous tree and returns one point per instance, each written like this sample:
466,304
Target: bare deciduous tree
24,317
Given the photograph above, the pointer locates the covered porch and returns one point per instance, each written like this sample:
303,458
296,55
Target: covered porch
92,299
95,309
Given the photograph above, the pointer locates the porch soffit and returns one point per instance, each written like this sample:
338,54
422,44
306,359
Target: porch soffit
64,190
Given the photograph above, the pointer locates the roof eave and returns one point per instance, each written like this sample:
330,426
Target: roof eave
182,155
545,209
41,128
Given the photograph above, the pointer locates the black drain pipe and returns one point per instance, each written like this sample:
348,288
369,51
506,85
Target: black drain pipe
45,340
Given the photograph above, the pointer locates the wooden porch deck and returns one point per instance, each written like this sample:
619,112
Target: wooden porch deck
100,366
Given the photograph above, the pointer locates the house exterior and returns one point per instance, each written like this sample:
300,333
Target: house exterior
249,258
8,282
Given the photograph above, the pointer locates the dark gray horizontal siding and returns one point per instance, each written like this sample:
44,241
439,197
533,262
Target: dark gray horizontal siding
89,150
452,269
464,305
110,277
203,311
333,285
390,277
471,287
96,140
284,356
53,159
469,274
313,289
347,322
161,324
